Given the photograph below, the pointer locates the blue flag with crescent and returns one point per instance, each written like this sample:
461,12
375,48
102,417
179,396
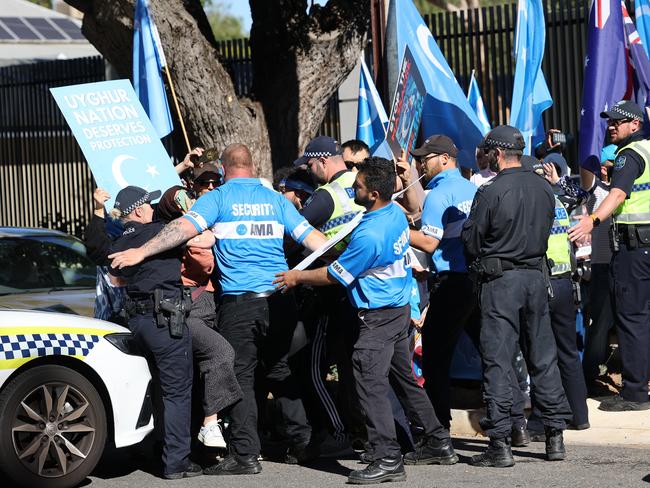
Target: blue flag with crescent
446,109
530,95
642,16
476,101
148,61
116,137
371,115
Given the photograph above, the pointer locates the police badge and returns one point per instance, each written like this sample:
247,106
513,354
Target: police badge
619,163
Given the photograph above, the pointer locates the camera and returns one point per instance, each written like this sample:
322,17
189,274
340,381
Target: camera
558,138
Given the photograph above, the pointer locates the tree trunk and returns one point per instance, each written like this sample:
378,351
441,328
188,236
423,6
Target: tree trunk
290,50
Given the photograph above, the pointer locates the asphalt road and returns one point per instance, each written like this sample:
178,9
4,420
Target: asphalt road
586,466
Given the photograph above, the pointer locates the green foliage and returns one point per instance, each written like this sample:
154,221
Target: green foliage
429,7
224,25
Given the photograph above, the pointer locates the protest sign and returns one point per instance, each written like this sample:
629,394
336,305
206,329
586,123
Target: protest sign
406,112
116,137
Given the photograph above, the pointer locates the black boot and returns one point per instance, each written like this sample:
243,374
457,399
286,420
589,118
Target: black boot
498,455
432,451
519,436
381,470
554,444
234,464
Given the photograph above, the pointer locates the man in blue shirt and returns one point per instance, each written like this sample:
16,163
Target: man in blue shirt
377,274
452,303
249,221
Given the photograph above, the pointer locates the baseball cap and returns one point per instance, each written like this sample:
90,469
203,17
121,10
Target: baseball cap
206,169
504,137
625,109
319,147
131,197
533,164
558,160
437,144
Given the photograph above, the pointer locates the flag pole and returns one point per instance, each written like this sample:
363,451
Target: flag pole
178,110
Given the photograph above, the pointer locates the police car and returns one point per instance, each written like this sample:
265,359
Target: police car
67,385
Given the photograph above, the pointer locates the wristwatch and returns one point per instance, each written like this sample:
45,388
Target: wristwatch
595,220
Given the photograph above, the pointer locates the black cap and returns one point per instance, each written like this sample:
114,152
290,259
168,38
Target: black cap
437,144
625,109
533,164
131,197
504,137
319,147
559,161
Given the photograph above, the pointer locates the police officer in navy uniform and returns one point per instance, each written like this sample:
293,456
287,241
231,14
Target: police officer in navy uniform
505,237
171,351
249,221
629,203
377,274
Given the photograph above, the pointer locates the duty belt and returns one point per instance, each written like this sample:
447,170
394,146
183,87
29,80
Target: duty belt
139,306
245,297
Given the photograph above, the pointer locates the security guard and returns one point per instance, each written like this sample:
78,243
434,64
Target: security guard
452,301
249,221
629,203
331,207
375,270
159,278
505,237
562,306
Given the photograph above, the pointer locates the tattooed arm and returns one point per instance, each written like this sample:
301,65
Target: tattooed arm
174,234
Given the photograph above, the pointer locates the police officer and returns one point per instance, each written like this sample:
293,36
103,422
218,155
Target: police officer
452,301
249,221
629,203
158,276
506,236
377,275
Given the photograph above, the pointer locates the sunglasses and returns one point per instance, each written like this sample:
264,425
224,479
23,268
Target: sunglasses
214,183
617,122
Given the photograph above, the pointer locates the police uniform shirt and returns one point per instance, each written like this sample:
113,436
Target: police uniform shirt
249,221
445,211
511,218
373,267
628,165
161,271
320,206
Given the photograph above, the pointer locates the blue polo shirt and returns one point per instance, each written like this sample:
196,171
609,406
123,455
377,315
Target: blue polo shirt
249,221
373,267
445,210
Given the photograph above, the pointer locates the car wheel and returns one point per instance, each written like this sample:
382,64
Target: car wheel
52,427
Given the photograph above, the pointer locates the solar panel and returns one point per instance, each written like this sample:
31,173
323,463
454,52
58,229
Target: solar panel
18,27
71,29
44,28
4,34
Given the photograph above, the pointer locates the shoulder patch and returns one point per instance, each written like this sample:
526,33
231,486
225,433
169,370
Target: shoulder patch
619,163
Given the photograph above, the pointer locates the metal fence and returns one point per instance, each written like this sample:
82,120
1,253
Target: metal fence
44,179
482,40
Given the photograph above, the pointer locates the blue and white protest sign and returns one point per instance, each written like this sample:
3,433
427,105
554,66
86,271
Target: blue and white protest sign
116,136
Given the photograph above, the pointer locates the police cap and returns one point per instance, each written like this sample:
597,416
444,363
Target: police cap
319,147
504,137
625,109
131,197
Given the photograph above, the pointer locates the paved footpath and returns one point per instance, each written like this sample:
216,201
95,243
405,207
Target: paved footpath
586,466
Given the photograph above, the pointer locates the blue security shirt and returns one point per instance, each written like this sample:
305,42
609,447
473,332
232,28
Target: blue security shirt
445,210
249,221
374,267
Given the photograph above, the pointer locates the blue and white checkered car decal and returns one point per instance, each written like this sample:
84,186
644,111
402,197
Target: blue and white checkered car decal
36,345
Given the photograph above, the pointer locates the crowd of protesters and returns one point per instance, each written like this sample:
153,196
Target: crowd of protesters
508,256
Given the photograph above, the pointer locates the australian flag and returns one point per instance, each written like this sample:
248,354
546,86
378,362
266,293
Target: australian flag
638,61
605,80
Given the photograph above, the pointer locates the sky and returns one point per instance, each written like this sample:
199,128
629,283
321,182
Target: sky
241,9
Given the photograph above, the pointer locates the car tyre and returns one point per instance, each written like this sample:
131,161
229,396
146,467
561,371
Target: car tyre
52,427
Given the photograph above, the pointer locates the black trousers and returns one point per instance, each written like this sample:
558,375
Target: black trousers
381,360
452,308
563,322
173,369
260,331
599,319
513,304
631,281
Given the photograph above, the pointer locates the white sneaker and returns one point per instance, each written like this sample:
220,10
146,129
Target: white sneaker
211,435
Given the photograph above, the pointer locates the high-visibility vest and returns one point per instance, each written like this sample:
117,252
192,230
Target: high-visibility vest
559,247
345,209
636,209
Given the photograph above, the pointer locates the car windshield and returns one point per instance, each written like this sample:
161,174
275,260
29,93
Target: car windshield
34,264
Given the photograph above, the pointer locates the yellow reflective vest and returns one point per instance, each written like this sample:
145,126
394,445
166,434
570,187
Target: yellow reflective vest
345,209
636,209
559,247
